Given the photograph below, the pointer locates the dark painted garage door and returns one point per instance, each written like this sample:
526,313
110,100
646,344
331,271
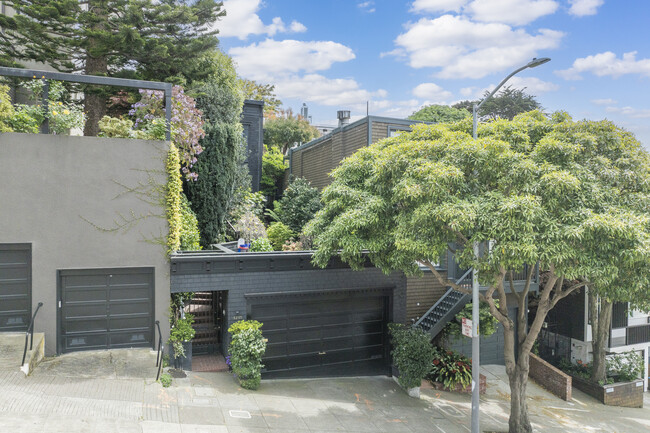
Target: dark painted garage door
323,335
15,286
106,308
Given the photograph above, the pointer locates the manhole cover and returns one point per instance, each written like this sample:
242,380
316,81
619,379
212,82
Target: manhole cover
176,373
240,414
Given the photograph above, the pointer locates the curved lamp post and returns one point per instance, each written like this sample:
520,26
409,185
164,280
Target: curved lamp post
475,286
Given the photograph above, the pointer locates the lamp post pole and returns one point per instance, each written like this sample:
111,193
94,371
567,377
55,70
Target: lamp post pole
475,285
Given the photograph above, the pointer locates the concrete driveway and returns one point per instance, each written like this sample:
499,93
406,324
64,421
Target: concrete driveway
114,391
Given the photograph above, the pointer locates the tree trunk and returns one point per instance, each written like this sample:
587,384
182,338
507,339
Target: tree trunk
601,320
519,421
94,99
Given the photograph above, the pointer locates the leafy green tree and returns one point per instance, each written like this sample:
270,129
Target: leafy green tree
149,39
220,95
220,179
299,203
440,114
262,92
538,190
273,168
190,236
283,131
504,105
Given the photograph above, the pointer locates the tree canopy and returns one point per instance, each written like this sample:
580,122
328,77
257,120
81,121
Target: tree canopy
286,129
506,104
440,114
571,196
147,39
262,92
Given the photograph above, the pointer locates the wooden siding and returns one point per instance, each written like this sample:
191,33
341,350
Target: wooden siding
354,139
316,164
425,291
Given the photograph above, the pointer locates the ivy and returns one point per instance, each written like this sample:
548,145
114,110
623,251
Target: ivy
173,200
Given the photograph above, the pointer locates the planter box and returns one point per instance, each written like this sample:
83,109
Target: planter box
184,363
625,394
462,390
550,378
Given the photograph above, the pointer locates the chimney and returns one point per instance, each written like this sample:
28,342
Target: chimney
343,116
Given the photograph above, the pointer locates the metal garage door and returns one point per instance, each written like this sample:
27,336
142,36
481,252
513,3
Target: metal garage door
106,308
323,335
15,286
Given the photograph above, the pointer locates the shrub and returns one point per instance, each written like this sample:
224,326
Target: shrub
412,353
6,109
261,244
298,204
165,380
450,368
273,167
62,113
246,349
190,236
487,322
625,366
250,227
27,118
279,233
181,331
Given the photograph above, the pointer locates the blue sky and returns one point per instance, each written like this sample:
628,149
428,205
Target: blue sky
401,55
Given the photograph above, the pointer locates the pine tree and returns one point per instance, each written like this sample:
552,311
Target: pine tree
148,39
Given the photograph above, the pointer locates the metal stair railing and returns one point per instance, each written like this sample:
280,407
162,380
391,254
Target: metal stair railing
446,307
30,333
159,358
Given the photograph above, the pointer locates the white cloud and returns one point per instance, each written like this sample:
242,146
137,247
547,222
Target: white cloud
634,113
367,6
241,20
533,85
264,60
466,49
607,101
432,91
607,64
421,6
516,12
339,92
584,7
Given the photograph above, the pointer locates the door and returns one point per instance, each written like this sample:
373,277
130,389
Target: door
323,335
15,287
106,308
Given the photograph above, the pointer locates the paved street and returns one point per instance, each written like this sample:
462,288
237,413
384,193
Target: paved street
114,391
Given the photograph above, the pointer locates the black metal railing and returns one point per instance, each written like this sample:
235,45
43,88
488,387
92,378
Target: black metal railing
29,334
159,358
637,334
91,79
446,306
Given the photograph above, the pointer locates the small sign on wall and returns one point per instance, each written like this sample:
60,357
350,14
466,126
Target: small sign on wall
467,327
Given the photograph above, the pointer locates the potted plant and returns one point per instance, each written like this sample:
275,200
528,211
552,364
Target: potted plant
180,341
412,355
452,371
247,346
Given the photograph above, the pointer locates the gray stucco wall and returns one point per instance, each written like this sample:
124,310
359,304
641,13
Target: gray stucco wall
55,188
238,284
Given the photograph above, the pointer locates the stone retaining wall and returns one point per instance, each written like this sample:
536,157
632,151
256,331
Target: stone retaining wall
625,394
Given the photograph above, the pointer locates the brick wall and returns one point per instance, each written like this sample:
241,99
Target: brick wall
421,293
625,394
552,379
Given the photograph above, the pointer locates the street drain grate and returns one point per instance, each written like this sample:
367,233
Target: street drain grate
240,414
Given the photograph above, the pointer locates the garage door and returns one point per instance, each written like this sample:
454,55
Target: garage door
323,335
15,286
106,308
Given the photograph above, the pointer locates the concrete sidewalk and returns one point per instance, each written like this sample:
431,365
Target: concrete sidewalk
114,391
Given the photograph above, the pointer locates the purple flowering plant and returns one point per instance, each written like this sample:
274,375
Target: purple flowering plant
186,123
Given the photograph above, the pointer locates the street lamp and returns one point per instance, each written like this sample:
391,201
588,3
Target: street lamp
475,286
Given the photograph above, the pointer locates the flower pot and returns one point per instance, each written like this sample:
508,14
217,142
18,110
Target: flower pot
184,363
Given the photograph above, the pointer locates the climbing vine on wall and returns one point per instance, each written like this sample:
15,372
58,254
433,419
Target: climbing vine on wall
173,199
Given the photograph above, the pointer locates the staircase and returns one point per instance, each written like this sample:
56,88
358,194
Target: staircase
434,320
202,308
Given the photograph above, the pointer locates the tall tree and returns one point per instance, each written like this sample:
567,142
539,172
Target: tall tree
149,39
535,189
262,92
285,130
504,105
440,114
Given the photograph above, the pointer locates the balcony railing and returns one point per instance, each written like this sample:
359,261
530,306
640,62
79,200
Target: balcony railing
637,334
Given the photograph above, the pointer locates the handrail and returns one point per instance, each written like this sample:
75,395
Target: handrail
158,355
30,332
443,297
